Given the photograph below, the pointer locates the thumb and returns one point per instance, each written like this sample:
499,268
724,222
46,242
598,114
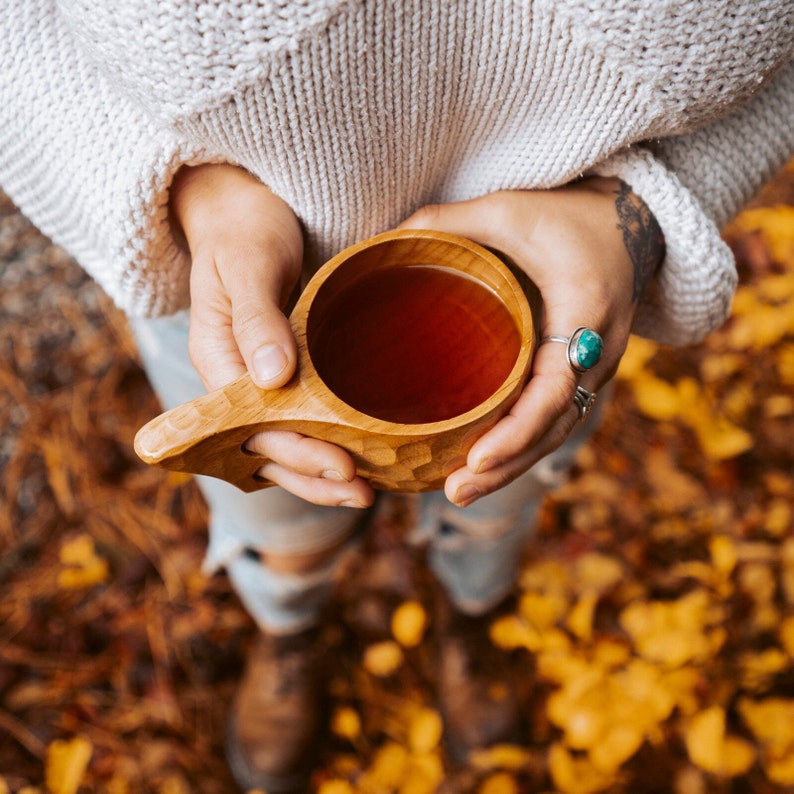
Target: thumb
487,219
462,218
264,336
236,320
247,246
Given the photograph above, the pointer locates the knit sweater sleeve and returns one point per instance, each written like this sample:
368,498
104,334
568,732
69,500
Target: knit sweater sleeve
694,184
87,165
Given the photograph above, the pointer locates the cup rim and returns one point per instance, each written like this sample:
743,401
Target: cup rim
508,389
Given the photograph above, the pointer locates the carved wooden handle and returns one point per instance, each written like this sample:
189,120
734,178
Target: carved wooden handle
207,435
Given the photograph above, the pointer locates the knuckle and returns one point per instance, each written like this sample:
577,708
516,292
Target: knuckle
503,206
428,216
564,429
561,400
504,478
247,320
206,355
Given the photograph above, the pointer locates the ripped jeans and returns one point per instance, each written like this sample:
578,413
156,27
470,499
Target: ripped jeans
474,552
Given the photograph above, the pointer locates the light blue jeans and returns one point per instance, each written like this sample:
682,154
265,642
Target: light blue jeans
474,551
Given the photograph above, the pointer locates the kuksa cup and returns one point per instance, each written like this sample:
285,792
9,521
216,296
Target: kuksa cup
411,345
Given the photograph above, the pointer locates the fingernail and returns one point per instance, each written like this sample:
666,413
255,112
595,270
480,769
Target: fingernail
352,503
269,362
486,464
466,494
333,474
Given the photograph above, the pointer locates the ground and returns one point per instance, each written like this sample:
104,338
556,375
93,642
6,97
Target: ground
652,630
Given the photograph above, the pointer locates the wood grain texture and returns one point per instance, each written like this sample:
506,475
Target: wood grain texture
206,435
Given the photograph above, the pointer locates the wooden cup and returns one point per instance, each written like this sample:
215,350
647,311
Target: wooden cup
206,435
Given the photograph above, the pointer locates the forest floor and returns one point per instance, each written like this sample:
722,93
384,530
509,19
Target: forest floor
653,629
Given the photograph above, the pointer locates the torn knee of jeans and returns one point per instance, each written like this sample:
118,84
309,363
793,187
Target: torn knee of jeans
477,530
252,554
447,530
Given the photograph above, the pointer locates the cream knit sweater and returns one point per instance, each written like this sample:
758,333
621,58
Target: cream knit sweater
357,112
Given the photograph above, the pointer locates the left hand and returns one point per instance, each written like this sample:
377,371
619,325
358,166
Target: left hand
246,247
591,248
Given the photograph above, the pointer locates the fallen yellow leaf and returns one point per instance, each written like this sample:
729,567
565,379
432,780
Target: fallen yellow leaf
711,749
638,353
83,567
583,715
408,623
542,610
423,775
640,695
656,398
720,366
758,667
580,618
610,713
617,745
424,731
499,783
776,225
595,571
388,768
779,517
764,327
723,554
575,775
546,576
500,756
720,439
778,406
346,723
674,632
66,763
383,658
771,721
510,632
780,770
610,653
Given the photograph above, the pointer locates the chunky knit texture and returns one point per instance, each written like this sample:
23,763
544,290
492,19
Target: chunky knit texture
357,112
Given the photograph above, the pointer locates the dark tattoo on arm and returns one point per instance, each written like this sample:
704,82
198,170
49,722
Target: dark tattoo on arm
642,237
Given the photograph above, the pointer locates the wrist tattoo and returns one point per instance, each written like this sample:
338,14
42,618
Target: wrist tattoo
642,237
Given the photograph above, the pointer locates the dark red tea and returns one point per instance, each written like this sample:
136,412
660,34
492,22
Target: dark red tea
414,344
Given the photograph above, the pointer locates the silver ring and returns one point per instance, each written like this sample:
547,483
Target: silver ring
584,347
584,401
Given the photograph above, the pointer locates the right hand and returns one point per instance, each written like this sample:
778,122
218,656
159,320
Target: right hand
247,248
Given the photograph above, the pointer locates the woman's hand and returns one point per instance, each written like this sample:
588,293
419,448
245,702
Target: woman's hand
247,247
591,248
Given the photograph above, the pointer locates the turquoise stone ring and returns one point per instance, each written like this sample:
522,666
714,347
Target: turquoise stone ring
584,347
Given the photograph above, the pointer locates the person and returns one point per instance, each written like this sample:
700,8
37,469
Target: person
200,159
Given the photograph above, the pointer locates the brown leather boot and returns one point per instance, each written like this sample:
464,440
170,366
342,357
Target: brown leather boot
476,692
273,730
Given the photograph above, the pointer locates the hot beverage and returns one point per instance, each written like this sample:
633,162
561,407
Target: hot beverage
413,343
